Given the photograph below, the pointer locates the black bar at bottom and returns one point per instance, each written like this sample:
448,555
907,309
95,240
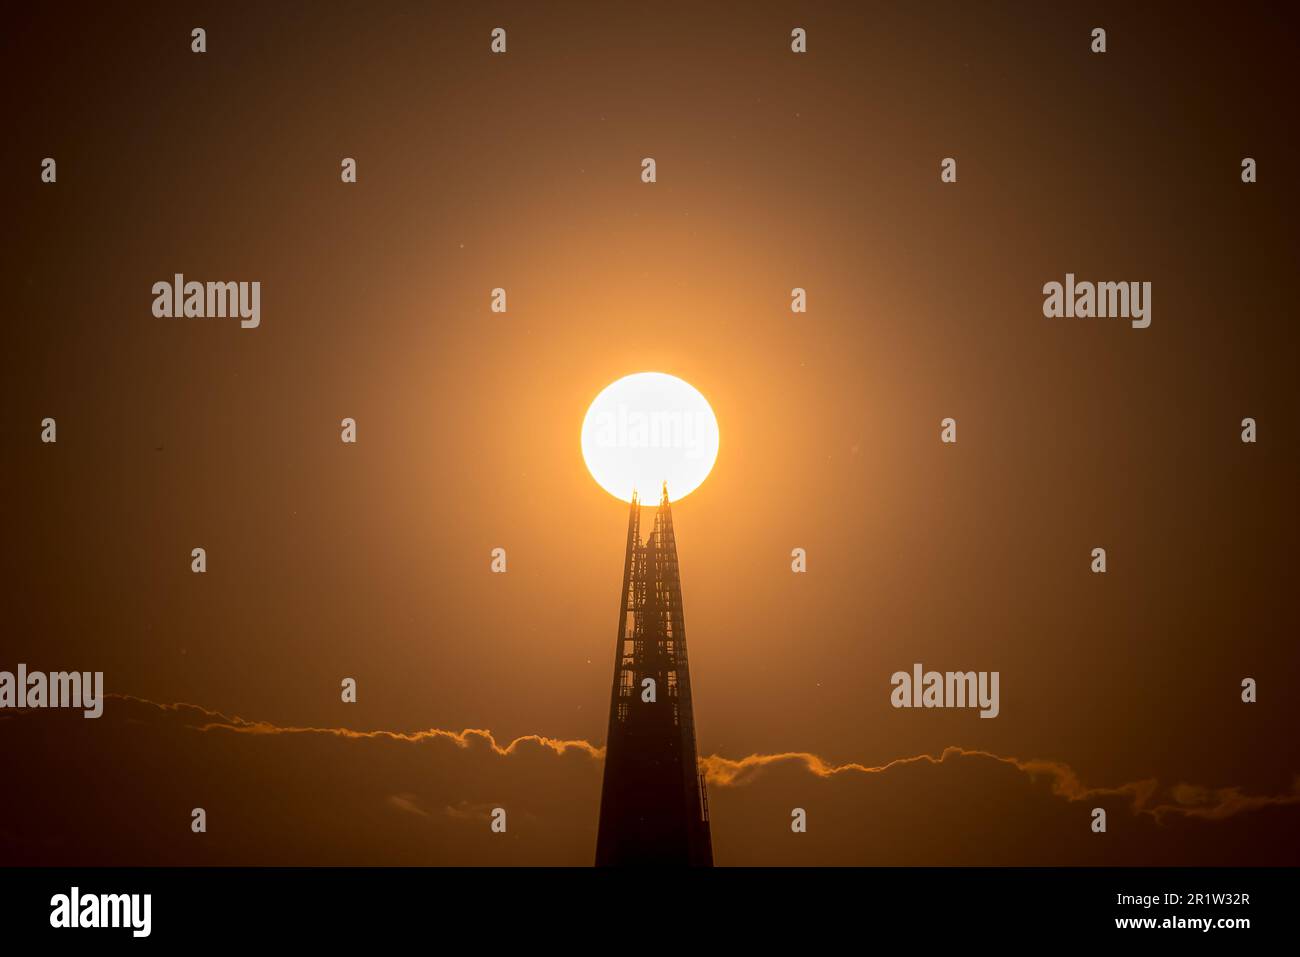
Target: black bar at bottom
210,906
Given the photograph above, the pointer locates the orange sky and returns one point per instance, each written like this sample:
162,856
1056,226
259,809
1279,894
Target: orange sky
774,171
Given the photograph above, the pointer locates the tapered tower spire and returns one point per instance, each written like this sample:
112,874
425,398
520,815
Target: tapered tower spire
653,804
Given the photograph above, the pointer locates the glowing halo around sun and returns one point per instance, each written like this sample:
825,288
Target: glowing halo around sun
647,429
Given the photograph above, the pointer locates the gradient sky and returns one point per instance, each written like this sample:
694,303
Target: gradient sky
774,171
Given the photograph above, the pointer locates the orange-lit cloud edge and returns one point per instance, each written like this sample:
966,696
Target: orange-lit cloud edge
1188,800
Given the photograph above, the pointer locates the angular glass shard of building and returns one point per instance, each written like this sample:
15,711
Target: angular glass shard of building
653,805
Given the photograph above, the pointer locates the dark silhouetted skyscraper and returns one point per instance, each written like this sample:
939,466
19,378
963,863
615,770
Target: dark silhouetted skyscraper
653,806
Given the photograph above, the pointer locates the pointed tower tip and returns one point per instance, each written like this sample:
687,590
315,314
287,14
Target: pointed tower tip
664,498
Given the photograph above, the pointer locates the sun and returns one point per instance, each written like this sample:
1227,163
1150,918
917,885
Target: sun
647,429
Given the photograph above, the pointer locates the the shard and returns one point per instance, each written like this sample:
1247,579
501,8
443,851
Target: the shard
653,807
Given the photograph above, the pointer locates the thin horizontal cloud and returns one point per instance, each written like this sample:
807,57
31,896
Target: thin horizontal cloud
216,721
1184,800
1191,800
407,803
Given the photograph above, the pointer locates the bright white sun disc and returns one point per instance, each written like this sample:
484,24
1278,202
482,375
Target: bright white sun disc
647,429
